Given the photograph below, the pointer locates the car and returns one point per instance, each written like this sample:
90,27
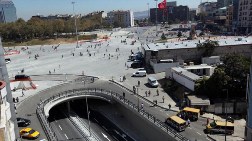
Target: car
139,73
21,76
29,133
22,122
7,60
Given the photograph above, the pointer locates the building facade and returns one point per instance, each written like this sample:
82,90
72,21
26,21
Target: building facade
223,3
7,11
171,14
248,129
229,17
245,16
121,18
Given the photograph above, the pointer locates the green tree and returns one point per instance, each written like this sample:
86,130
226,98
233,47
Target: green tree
179,34
163,37
208,47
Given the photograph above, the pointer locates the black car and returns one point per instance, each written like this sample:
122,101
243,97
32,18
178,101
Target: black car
22,122
21,76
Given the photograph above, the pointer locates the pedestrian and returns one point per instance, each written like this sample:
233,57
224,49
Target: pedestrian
14,100
169,106
149,92
125,64
124,78
157,92
138,82
61,56
142,106
163,99
15,108
120,78
17,99
23,93
54,70
146,93
188,122
49,72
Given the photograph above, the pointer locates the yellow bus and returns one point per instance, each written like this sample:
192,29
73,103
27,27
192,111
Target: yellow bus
176,122
191,113
220,127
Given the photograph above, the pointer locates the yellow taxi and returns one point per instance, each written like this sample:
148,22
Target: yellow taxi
29,133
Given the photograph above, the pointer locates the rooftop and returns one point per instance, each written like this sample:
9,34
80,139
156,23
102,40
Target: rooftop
183,43
186,73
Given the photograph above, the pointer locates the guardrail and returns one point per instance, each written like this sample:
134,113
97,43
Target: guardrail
100,92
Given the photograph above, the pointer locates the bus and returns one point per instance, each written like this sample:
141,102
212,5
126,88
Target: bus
189,113
176,122
220,127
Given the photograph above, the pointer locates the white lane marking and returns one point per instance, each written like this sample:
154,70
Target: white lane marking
105,136
96,120
60,127
198,133
189,127
208,139
104,128
66,136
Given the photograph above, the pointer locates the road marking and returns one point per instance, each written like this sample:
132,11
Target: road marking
60,127
105,136
208,139
66,136
104,128
96,120
190,128
198,133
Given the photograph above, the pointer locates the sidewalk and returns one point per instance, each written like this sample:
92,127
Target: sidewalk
153,96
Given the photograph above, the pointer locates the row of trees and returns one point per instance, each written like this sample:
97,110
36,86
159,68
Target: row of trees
40,28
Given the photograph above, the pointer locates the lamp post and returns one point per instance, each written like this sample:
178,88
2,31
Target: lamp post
226,114
75,23
156,17
148,13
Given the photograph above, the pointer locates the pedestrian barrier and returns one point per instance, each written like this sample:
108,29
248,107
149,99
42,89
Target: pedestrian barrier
105,94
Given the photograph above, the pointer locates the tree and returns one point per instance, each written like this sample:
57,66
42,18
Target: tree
208,46
163,37
179,34
232,75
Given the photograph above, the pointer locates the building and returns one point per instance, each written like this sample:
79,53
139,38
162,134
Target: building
223,3
192,14
235,15
229,17
7,11
8,126
121,18
248,129
171,3
183,49
245,16
172,14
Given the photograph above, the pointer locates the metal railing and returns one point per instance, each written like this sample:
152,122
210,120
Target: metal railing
111,96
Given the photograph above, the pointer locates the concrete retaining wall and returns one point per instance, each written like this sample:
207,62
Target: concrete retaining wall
148,130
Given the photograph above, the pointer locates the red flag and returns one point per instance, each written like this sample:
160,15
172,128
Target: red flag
162,5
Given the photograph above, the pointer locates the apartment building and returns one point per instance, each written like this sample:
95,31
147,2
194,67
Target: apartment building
121,18
245,16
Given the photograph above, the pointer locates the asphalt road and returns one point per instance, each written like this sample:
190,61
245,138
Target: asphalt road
28,107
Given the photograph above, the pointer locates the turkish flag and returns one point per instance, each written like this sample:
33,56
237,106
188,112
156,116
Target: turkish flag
162,5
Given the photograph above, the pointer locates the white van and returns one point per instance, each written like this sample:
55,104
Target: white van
153,82
139,73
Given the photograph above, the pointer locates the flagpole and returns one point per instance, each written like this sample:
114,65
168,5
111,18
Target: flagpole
156,17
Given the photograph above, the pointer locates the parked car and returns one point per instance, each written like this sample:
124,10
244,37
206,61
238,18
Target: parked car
153,82
22,122
140,73
21,76
7,60
29,133
137,64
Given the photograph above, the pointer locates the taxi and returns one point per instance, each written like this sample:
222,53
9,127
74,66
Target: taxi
29,133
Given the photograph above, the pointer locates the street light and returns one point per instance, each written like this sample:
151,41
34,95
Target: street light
76,32
148,13
156,17
226,114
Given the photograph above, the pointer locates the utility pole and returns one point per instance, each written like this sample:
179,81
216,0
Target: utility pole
156,17
75,23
